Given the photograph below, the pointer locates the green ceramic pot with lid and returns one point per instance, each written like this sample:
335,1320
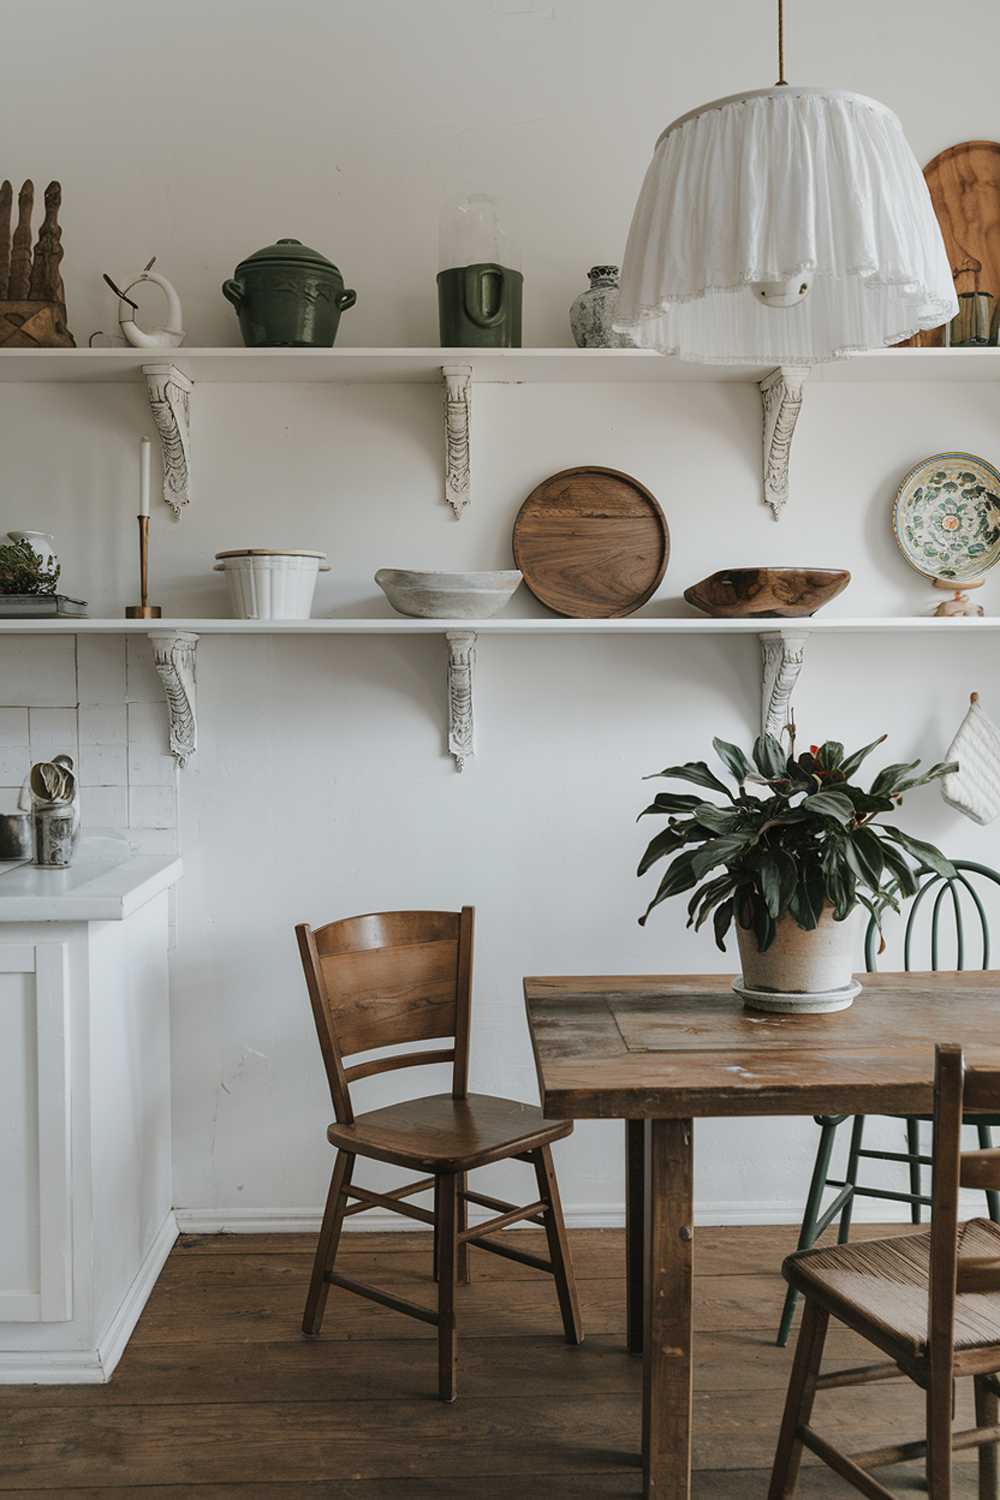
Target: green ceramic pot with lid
287,294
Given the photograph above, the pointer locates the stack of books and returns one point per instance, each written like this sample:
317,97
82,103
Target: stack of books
41,607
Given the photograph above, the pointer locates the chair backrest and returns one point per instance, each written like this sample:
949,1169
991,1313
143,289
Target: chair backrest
957,1092
946,887
389,977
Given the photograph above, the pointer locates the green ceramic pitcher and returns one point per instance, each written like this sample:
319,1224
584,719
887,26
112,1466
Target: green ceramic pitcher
479,307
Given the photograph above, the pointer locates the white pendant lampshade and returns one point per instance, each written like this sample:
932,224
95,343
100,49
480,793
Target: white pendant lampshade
785,226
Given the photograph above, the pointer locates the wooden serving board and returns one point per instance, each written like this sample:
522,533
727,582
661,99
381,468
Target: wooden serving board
592,543
964,184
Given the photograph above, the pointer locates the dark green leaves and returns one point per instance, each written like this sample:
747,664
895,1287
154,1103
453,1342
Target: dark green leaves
797,838
733,759
887,781
925,854
696,771
670,802
830,804
769,758
851,764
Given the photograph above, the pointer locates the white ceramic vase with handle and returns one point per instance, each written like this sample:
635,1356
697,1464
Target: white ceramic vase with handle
41,544
809,972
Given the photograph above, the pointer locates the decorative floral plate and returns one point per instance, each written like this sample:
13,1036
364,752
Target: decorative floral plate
947,517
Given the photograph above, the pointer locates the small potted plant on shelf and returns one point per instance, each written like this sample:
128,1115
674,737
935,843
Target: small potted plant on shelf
790,861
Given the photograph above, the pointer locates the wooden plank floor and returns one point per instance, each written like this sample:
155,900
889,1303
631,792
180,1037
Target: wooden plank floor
219,1397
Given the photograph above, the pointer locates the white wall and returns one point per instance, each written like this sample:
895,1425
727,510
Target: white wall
322,786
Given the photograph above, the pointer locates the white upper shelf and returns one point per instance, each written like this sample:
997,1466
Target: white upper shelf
545,625
498,366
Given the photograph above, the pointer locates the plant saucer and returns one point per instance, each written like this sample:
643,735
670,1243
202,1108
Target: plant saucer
797,1002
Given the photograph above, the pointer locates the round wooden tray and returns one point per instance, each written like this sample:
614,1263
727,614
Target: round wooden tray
592,543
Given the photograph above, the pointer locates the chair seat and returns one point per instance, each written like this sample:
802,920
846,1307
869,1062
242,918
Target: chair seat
882,1286
440,1134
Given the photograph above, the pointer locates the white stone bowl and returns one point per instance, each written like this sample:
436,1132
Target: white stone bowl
447,596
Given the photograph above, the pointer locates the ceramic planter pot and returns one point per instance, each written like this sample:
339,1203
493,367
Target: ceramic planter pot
803,971
288,295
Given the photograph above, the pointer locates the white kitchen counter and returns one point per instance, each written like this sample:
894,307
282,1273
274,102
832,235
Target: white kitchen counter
85,1171
105,883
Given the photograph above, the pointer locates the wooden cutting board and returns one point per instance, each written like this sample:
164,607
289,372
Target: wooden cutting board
964,184
592,543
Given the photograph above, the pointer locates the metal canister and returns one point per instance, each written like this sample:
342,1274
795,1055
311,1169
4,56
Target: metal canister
15,835
55,829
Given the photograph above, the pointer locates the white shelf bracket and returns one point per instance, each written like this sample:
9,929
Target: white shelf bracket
174,654
781,394
782,655
169,394
457,422
461,723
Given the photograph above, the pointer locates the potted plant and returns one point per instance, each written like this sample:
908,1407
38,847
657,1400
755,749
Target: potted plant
25,569
790,861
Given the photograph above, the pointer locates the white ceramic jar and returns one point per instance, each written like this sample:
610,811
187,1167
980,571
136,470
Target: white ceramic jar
268,584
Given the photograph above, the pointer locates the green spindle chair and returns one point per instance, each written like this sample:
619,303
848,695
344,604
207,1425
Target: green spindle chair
815,1222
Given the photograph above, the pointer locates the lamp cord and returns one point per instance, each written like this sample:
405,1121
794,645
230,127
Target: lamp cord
782,80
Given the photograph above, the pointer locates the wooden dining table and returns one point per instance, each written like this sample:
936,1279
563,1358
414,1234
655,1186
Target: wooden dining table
660,1051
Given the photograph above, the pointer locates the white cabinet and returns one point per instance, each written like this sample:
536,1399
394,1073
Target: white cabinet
85,1171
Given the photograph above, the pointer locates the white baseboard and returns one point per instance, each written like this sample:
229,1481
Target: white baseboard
94,1366
111,1345
594,1216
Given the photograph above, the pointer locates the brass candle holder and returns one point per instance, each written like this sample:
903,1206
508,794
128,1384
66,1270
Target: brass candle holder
144,610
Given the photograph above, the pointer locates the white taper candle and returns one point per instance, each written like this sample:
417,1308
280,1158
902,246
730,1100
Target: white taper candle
146,451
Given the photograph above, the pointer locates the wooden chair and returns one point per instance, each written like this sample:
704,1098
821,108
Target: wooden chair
930,1301
816,1220
401,977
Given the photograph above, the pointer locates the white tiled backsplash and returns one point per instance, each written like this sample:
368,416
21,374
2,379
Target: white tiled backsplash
97,698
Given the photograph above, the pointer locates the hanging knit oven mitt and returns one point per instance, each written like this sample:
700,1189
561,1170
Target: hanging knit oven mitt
974,789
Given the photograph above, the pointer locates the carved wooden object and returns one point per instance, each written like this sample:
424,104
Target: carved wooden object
767,593
964,184
174,660
461,724
457,422
592,543
781,393
32,299
169,395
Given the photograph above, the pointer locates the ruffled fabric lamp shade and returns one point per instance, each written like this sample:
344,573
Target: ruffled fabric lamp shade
786,226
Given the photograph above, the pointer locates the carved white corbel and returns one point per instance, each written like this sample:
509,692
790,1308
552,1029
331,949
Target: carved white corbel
174,660
782,655
169,395
781,393
461,725
457,418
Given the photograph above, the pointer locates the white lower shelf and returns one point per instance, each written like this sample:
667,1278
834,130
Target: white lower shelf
511,625
782,648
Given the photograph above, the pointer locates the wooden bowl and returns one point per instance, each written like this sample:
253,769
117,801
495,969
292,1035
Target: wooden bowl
767,593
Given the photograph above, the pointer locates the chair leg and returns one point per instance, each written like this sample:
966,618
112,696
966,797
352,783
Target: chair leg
940,1398
799,1402
807,1234
851,1176
446,1223
913,1151
464,1274
987,1413
992,1197
555,1230
329,1238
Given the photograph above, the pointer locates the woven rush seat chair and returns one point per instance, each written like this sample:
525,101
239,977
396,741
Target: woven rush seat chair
930,1301
948,896
394,978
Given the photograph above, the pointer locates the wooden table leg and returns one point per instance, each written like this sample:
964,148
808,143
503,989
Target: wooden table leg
666,1394
635,1230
